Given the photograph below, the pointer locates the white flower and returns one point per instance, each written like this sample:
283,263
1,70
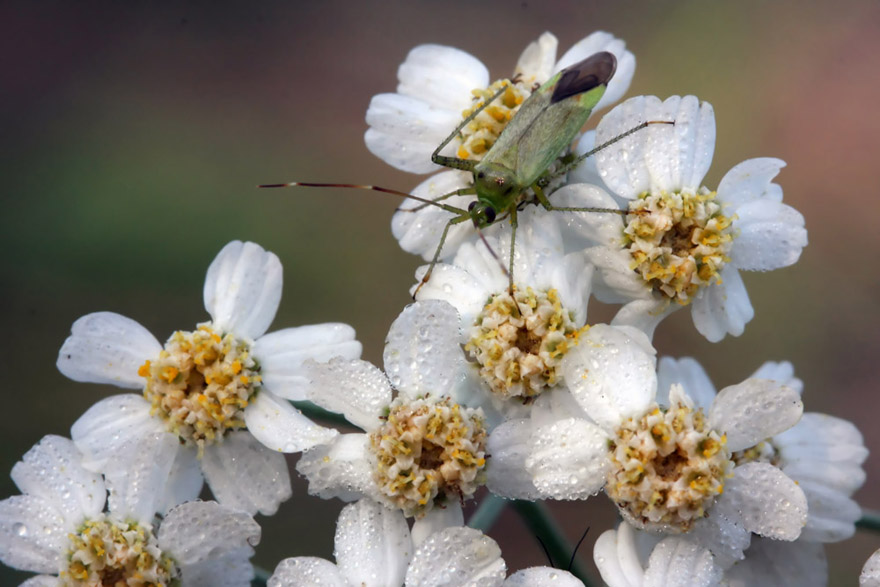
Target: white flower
438,86
374,548
212,401
629,558
59,527
425,448
775,563
513,344
665,462
683,244
821,453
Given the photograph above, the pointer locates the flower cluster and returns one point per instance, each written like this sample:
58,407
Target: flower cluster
494,384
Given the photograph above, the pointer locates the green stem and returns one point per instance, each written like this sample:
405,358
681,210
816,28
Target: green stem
537,518
487,514
316,413
261,577
870,521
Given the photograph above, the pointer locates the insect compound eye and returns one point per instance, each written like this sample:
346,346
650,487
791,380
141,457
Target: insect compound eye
490,214
471,205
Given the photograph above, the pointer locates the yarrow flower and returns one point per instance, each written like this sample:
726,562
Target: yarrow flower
439,87
663,459
214,399
681,243
59,527
374,548
424,449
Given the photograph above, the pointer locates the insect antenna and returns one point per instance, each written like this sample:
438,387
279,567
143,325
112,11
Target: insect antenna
546,552
492,252
576,547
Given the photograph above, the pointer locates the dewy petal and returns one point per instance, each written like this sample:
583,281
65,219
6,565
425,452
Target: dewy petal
41,581
535,65
340,469
768,502
281,354
568,459
722,308
781,371
602,41
722,532
594,228
644,315
616,571
622,166
280,426
754,410
201,530
870,576
688,373
611,374
781,564
457,556
831,515
510,445
419,231
770,235
232,569
542,577
466,284
107,348
243,289
52,469
33,534
749,181
306,570
404,131
108,424
436,520
358,390
372,544
614,282
679,155
184,482
677,562
243,474
442,76
422,353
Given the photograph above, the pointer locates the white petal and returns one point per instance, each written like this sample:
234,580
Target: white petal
781,371
622,166
568,459
339,469
770,235
466,284
280,426
117,418
617,562
419,230
754,410
614,282
722,532
831,515
243,289
422,353
611,374
282,353
53,470
688,373
457,556
595,228
243,474
870,576
678,155
404,131
749,181
42,581
372,544
107,348
535,65
644,315
442,76
436,520
507,476
602,41
775,563
306,570
232,569
677,562
33,534
722,308
202,530
542,577
768,502
185,481
356,389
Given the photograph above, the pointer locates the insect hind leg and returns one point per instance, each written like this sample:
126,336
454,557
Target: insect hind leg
457,162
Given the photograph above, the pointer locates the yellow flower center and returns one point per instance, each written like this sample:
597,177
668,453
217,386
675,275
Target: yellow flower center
201,383
478,136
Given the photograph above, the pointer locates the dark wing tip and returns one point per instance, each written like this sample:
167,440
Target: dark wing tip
596,70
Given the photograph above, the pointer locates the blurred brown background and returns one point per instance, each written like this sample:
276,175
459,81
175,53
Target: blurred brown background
133,136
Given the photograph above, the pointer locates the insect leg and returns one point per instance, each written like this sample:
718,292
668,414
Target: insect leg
456,162
427,275
513,225
458,192
545,201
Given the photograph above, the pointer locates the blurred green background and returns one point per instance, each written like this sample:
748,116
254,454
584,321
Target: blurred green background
133,136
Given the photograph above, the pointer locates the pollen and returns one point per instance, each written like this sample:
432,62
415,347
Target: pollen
429,451
519,341
478,136
668,468
679,242
106,552
200,384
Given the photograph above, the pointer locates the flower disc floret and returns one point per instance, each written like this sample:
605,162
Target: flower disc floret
201,383
666,468
679,241
429,450
519,341
107,552
478,136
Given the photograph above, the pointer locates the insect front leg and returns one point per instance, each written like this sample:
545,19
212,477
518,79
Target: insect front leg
513,225
456,162
453,221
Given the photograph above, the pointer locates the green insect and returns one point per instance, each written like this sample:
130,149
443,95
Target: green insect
518,161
